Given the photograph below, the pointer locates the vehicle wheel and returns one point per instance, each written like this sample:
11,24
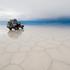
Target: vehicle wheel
22,27
10,28
16,28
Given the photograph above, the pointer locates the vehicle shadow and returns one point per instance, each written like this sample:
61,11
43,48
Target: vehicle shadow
15,33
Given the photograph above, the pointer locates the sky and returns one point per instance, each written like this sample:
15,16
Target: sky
34,9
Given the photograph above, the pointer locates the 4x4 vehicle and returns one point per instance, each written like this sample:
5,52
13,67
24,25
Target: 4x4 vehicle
14,24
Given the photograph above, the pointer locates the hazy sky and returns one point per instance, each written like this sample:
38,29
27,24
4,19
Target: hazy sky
30,9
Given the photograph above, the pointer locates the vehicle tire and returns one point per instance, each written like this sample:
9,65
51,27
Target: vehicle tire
16,28
10,28
22,27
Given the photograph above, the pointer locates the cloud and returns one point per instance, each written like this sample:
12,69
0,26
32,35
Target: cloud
29,9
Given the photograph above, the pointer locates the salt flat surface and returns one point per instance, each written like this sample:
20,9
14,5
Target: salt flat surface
35,48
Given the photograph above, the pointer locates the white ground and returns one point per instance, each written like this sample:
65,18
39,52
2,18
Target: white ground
35,48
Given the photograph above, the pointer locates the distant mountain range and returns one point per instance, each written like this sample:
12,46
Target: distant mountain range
61,20
52,20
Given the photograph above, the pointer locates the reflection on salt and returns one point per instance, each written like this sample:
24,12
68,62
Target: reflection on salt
15,34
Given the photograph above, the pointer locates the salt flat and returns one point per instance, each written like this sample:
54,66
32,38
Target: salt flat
35,48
